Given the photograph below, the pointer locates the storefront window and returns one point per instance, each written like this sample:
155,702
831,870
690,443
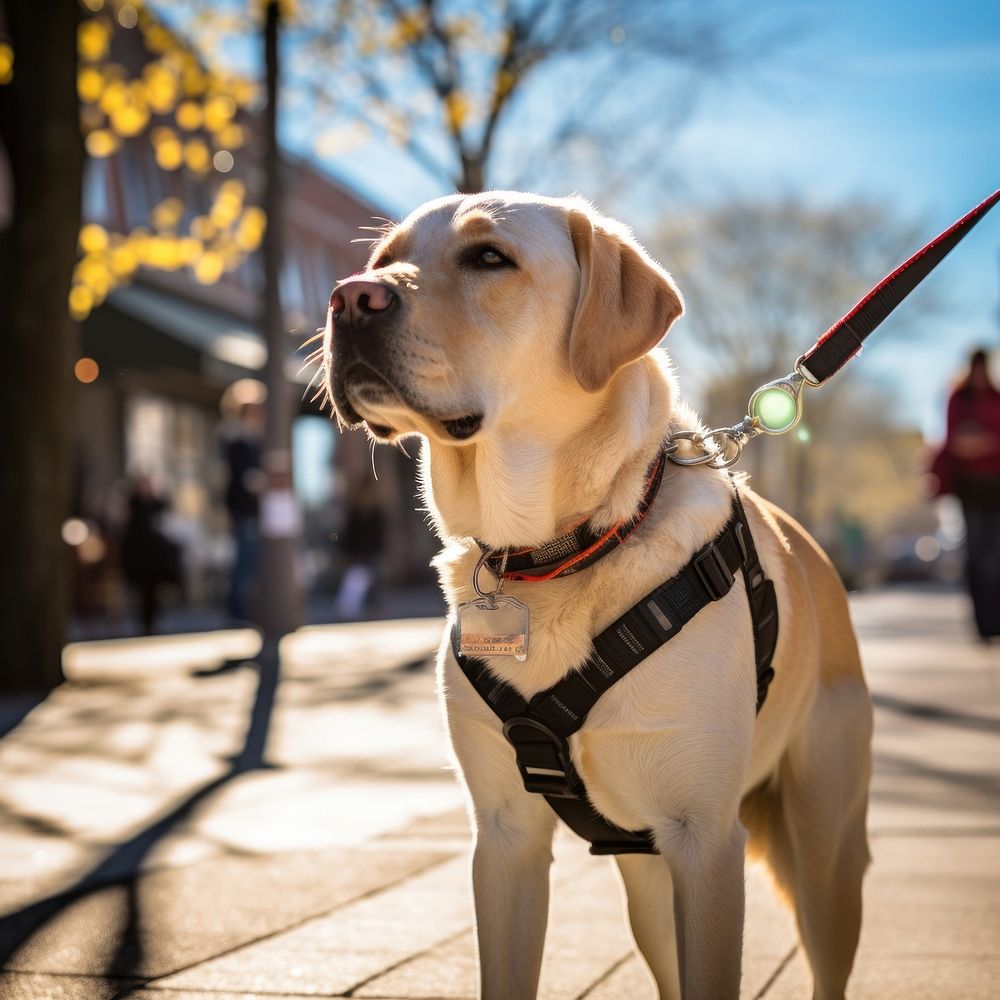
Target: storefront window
313,442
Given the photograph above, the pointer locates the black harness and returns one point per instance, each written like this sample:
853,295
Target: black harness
539,729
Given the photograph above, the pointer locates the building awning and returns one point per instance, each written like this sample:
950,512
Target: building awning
144,328
214,334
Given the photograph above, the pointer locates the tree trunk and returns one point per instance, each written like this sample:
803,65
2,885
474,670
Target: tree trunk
40,130
473,178
279,610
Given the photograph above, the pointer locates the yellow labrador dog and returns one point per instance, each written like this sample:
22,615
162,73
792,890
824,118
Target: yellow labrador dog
517,335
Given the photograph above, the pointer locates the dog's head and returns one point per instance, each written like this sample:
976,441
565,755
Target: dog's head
477,306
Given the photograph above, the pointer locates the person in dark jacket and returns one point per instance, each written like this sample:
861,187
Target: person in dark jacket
149,558
973,450
242,454
361,542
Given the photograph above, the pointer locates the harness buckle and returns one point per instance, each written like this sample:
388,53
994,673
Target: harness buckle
542,758
713,571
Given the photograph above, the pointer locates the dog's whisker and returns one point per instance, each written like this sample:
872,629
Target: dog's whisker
310,359
318,335
311,383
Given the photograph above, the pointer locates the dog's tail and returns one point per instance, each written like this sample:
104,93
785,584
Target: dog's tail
762,814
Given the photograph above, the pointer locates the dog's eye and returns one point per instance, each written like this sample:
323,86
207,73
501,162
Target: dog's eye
484,257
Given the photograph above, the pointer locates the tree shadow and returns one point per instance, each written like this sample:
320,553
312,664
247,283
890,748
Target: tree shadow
935,713
225,667
122,865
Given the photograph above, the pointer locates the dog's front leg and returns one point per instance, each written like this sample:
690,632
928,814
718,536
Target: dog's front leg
707,869
650,895
510,863
510,880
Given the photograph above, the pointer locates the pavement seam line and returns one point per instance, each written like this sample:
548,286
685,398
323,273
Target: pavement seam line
409,958
300,923
604,977
773,978
210,991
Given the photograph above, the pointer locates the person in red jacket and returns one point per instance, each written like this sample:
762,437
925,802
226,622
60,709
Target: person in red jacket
973,448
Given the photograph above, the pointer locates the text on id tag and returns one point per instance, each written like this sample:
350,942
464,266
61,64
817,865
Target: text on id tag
493,626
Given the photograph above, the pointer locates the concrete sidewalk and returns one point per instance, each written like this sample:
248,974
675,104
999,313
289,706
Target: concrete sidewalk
148,849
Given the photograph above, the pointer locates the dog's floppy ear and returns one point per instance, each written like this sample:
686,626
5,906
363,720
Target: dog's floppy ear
627,301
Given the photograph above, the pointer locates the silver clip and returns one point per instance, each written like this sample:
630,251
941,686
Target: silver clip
489,596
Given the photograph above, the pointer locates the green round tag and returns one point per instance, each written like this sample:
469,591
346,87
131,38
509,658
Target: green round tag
775,408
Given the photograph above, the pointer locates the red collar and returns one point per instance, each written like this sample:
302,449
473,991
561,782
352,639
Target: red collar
579,548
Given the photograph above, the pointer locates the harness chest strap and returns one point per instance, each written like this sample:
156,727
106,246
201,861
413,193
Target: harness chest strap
539,729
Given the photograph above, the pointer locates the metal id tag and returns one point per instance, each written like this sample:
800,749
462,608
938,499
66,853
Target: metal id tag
493,626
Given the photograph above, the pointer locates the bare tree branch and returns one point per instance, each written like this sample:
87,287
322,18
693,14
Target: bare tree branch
469,79
490,88
763,279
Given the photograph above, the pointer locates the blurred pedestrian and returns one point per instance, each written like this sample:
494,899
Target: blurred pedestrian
969,466
361,542
242,452
149,558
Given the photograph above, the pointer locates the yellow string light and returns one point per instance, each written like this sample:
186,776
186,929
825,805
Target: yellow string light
218,112
89,84
102,142
6,63
169,154
81,301
93,238
93,40
188,115
209,268
161,87
197,156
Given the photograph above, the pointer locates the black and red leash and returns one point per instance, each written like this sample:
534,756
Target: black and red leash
845,338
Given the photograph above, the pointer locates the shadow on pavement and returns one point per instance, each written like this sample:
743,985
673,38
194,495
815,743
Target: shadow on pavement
975,784
18,929
935,713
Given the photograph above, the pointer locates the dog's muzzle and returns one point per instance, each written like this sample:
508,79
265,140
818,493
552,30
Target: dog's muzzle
362,319
358,324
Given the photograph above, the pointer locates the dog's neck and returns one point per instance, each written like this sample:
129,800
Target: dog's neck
516,490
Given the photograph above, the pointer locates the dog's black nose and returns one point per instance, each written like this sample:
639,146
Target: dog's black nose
356,298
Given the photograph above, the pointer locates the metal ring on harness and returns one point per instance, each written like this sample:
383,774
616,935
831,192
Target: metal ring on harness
728,447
